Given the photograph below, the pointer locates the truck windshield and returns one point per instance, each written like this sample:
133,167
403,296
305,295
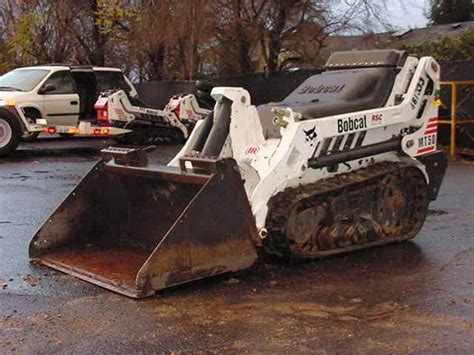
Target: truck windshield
22,79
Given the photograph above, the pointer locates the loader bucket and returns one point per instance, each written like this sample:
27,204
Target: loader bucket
138,229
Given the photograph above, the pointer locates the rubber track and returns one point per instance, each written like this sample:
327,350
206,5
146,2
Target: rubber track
309,195
154,135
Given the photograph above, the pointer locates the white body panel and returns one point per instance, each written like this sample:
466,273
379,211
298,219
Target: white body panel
61,109
269,166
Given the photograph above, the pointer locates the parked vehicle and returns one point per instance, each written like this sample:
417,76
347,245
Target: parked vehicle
55,99
150,125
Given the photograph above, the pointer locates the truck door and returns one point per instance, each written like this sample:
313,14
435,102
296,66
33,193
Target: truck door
86,87
60,99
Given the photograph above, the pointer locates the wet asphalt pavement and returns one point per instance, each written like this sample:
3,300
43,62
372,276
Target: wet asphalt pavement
411,297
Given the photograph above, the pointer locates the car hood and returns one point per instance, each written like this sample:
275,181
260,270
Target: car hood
11,95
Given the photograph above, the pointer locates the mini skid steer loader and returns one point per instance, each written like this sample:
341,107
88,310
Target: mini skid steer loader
347,161
150,125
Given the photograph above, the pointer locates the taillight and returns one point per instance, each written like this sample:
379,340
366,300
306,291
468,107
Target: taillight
50,130
176,110
100,131
102,114
174,105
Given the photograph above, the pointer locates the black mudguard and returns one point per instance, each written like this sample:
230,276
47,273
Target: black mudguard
436,164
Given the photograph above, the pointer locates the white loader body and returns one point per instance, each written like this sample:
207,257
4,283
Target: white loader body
178,112
271,165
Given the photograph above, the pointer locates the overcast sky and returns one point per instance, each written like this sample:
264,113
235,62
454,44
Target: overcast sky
407,13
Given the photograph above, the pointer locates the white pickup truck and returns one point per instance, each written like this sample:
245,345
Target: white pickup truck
55,99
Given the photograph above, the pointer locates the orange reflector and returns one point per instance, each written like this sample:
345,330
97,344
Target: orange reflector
100,131
9,103
73,130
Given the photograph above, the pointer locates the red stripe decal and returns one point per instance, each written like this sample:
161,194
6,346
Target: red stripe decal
431,125
425,149
432,119
429,131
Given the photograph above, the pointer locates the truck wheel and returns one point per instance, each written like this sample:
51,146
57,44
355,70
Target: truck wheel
10,132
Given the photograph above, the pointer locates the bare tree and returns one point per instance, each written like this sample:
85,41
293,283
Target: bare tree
177,39
32,34
236,36
291,26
